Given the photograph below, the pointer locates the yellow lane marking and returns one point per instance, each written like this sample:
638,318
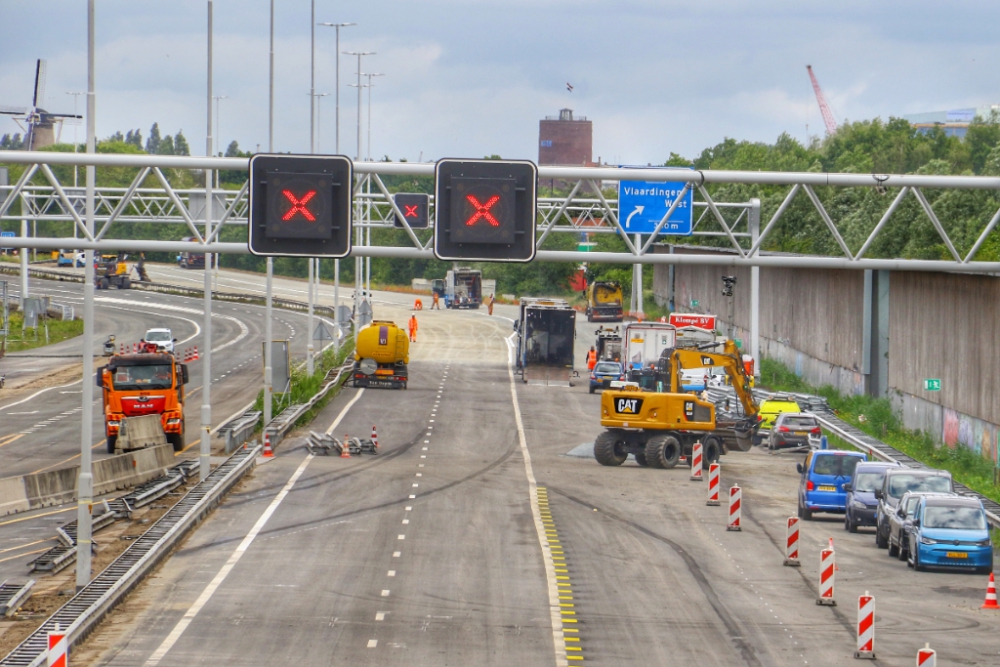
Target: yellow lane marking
563,578
566,604
572,639
25,546
26,553
11,438
35,516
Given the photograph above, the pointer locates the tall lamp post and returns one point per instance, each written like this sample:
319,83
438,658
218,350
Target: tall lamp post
370,111
359,54
218,99
319,120
337,27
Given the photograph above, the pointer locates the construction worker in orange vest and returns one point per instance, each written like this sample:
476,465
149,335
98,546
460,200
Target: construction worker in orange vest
413,328
435,303
489,304
591,358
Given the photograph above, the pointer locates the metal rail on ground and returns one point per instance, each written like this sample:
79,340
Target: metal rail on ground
84,611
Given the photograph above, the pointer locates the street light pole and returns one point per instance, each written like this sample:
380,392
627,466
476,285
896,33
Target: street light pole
338,26
206,365
218,99
270,96
85,484
312,78
319,120
75,95
359,54
370,111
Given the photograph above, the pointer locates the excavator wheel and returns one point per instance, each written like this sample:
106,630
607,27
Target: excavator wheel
663,451
609,448
640,458
711,451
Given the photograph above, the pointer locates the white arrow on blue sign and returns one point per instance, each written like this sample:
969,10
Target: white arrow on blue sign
643,204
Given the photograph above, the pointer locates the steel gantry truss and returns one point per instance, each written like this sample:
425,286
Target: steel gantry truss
585,209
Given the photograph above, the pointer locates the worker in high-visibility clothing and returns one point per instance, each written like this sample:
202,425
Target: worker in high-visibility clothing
413,328
436,303
591,358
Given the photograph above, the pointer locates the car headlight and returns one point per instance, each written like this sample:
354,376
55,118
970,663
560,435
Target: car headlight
927,540
858,505
983,543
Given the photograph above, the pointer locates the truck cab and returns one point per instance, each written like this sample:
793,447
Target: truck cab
463,288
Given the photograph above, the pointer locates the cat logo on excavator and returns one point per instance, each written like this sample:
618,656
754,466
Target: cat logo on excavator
628,406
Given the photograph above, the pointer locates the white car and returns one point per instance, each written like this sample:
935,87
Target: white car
163,338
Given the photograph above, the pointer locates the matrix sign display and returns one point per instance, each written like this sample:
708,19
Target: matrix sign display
485,210
414,208
300,206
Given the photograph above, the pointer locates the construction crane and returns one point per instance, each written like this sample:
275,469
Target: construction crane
824,108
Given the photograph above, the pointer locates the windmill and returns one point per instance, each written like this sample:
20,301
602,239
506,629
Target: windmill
39,124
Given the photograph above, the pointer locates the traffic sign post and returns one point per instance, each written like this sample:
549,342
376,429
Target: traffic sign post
300,206
414,208
932,384
484,210
656,207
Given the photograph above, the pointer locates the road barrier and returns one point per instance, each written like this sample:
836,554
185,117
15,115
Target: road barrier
927,657
696,454
713,484
827,567
792,542
735,498
268,452
866,627
991,595
374,437
57,648
12,596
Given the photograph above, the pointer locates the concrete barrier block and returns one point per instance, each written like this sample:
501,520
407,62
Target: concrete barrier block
12,496
51,488
132,468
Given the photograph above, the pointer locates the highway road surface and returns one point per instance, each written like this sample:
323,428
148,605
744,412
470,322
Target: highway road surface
476,538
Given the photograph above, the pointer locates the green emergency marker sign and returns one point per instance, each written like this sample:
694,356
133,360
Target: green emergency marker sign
932,384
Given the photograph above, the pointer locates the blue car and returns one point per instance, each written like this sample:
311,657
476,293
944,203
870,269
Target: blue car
604,373
824,474
950,532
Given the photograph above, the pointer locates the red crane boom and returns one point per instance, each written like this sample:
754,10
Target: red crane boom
824,108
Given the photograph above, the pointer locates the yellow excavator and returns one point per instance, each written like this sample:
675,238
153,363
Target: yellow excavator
658,427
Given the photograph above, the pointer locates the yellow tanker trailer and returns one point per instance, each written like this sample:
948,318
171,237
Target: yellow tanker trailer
380,356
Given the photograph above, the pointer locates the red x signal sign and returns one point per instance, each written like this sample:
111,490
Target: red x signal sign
482,210
411,211
299,206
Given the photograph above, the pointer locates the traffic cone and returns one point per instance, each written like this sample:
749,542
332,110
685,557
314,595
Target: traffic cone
374,437
268,452
991,595
195,358
345,451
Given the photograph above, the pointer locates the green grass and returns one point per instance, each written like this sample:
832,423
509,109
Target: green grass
305,386
876,417
58,331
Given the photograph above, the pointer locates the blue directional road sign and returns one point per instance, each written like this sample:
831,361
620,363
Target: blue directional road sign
642,204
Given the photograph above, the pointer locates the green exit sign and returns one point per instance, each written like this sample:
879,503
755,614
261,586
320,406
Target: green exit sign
739,342
932,384
694,303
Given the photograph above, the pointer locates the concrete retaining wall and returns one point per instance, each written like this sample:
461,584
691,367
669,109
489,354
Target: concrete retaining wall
43,489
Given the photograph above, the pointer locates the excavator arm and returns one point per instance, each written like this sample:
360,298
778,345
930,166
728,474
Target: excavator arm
730,360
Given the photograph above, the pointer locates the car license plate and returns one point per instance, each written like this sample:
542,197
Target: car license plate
801,433
827,487
957,554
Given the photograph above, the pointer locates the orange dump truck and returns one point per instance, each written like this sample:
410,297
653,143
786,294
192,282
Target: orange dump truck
145,383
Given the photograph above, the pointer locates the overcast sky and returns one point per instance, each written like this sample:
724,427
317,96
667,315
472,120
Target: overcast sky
473,77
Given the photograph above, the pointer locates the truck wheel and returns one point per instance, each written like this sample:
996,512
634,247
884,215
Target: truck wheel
177,440
104,284
609,449
663,451
126,284
640,458
112,442
711,451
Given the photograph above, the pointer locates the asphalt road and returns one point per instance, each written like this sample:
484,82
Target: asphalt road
451,547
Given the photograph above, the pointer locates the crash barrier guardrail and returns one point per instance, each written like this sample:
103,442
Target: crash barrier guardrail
279,426
12,596
240,430
322,443
80,616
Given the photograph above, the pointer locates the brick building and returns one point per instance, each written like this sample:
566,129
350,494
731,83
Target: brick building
565,141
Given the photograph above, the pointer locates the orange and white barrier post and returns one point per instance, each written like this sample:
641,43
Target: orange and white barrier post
866,627
792,542
713,484
268,452
57,648
696,453
735,502
374,437
345,451
927,657
827,566
991,595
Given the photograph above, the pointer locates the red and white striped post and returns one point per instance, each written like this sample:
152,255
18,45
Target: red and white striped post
713,484
927,657
827,566
374,437
866,627
57,648
735,497
792,542
696,450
